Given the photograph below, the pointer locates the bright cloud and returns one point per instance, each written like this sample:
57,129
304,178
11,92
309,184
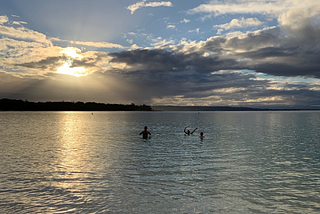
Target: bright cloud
185,21
24,33
240,23
171,27
277,9
196,30
143,3
239,6
19,23
3,19
159,42
98,44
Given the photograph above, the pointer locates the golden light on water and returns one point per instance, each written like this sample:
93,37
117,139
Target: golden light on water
72,154
66,68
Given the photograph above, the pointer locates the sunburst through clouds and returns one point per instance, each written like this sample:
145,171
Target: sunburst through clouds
67,67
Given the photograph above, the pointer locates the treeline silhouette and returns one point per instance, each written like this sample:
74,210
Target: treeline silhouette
20,105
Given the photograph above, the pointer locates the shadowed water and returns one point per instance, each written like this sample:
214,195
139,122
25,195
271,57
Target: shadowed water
79,162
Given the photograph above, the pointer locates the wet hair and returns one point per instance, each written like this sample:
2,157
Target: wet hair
145,127
201,133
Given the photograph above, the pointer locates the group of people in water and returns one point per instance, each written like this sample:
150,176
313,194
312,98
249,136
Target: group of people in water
145,133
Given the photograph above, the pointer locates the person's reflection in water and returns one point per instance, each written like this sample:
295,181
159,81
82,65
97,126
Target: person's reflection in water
145,133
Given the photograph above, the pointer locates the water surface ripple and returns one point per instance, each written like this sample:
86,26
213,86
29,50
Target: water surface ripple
79,162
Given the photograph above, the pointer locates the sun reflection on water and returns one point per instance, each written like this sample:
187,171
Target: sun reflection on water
73,154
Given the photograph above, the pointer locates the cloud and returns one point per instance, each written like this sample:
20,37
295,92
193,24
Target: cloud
143,3
15,51
33,58
47,63
92,44
89,61
179,77
196,30
268,51
98,44
293,16
19,22
254,68
24,33
217,8
286,11
160,43
3,19
240,23
185,21
171,27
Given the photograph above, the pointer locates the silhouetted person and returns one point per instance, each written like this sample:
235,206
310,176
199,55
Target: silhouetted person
201,135
188,131
145,133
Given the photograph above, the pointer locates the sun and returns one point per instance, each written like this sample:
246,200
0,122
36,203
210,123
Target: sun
66,68
75,71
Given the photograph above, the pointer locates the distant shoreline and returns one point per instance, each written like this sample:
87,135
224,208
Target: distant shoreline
223,108
20,105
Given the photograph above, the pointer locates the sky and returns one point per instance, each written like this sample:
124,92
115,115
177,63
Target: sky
250,53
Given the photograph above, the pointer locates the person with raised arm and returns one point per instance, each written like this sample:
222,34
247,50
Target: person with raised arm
188,131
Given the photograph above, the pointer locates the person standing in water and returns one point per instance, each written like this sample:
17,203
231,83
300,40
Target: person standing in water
188,131
201,135
145,133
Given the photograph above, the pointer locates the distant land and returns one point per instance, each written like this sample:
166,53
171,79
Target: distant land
220,108
20,105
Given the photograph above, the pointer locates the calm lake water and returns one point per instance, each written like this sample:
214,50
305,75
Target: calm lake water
79,162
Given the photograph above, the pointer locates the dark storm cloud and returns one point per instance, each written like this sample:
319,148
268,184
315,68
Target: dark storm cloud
264,38
268,51
191,73
281,69
247,88
151,59
190,83
86,62
164,60
214,44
